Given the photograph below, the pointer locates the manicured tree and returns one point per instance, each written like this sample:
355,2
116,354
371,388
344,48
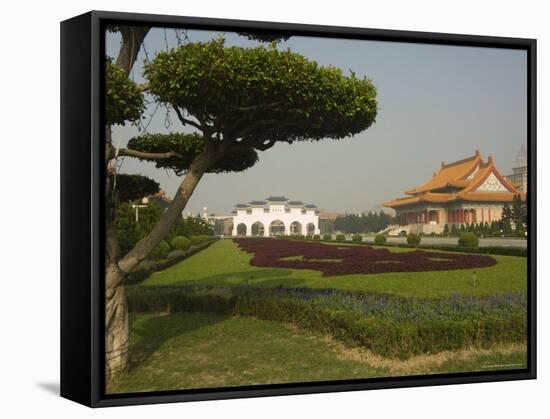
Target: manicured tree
446,229
239,101
454,230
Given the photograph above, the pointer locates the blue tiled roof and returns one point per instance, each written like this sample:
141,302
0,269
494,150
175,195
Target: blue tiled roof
241,206
277,199
295,203
257,202
310,206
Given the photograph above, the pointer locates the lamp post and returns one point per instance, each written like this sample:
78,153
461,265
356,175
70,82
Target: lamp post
144,201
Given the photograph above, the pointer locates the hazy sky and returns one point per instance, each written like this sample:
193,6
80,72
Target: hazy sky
436,103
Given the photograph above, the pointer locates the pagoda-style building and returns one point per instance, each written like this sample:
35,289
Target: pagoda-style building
462,192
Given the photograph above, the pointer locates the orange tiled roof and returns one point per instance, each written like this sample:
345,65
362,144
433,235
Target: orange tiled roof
466,176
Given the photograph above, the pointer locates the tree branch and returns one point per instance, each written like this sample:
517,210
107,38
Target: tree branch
186,121
145,155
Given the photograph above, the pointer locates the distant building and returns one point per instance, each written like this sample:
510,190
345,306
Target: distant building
273,216
462,192
519,171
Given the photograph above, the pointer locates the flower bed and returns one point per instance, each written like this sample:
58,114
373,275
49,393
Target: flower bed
345,260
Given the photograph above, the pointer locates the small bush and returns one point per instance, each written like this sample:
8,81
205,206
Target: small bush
414,239
160,252
327,237
468,240
195,240
316,237
380,239
309,237
357,238
340,237
180,243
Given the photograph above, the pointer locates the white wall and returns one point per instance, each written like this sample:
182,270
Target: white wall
276,213
30,172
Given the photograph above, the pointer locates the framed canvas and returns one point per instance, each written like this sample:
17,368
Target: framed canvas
254,209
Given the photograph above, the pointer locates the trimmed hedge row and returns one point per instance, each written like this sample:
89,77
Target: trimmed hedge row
141,274
490,250
384,337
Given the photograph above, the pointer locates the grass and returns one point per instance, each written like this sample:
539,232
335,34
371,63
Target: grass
184,351
223,263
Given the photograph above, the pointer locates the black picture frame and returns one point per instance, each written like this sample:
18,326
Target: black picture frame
82,179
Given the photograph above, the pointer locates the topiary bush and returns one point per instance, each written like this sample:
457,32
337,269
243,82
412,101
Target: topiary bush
160,252
340,237
357,238
414,239
327,237
316,237
468,240
380,239
180,243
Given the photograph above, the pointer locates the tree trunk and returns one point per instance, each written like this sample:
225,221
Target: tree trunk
116,324
196,170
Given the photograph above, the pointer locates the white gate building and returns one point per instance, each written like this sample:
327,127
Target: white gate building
275,216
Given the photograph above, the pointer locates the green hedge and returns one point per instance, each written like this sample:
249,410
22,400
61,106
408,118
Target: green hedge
327,237
141,274
160,252
340,237
180,243
468,240
196,240
382,336
357,238
380,239
414,239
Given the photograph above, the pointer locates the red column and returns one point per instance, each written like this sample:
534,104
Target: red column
475,215
482,215
462,215
427,217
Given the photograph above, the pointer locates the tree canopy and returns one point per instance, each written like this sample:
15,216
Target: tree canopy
123,98
185,148
260,95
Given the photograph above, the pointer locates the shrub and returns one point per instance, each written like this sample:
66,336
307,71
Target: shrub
340,237
195,240
468,240
316,237
180,243
414,239
160,252
309,237
327,237
380,239
357,238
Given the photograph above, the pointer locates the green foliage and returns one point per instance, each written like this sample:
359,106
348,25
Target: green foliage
123,99
365,223
128,231
261,94
187,147
180,243
380,239
381,335
446,229
196,240
340,237
160,252
132,187
192,226
316,237
327,237
414,239
468,240
357,238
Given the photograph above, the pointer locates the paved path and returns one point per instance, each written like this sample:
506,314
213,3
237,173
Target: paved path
490,241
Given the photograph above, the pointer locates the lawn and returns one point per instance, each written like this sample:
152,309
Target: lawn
192,350
214,320
224,263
